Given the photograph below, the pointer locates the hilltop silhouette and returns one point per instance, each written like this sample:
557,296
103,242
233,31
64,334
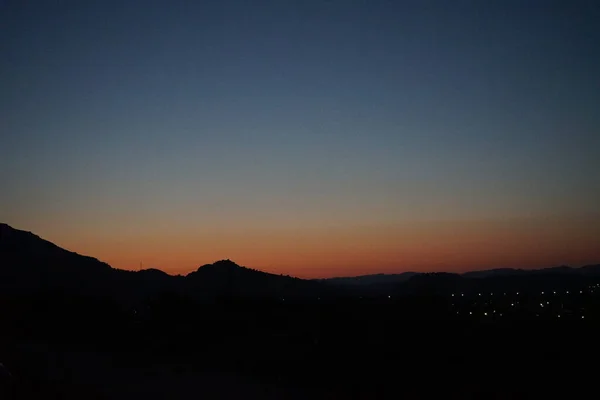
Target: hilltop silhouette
31,263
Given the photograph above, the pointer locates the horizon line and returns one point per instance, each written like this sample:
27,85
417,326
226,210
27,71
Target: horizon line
266,272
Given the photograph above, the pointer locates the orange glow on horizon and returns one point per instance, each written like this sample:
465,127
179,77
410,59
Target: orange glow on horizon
454,246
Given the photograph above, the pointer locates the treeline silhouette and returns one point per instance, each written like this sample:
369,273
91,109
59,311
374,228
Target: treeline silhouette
73,327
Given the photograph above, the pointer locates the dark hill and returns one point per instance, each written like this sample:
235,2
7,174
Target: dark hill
30,263
226,278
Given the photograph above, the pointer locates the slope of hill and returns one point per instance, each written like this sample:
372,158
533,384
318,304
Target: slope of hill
30,263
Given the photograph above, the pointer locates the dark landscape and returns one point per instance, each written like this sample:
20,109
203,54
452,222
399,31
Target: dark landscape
73,327
299,199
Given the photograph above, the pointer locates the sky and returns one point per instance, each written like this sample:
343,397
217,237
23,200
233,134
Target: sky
309,138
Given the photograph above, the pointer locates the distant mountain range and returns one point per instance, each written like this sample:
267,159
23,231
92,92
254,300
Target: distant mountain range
30,263
490,273
501,279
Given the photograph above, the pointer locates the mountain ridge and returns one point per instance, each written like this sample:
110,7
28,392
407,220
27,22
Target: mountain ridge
37,262
29,262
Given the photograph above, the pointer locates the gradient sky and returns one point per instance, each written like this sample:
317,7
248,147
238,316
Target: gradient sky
311,138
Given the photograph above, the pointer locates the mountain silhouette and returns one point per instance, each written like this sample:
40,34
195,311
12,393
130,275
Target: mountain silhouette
226,278
504,279
30,263
414,279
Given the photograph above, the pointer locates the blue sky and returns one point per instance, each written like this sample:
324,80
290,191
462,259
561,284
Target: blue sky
219,116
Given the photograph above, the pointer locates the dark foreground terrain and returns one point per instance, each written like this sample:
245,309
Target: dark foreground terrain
61,347
72,327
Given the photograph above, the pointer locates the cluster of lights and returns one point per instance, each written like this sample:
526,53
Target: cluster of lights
500,314
491,294
543,292
542,304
